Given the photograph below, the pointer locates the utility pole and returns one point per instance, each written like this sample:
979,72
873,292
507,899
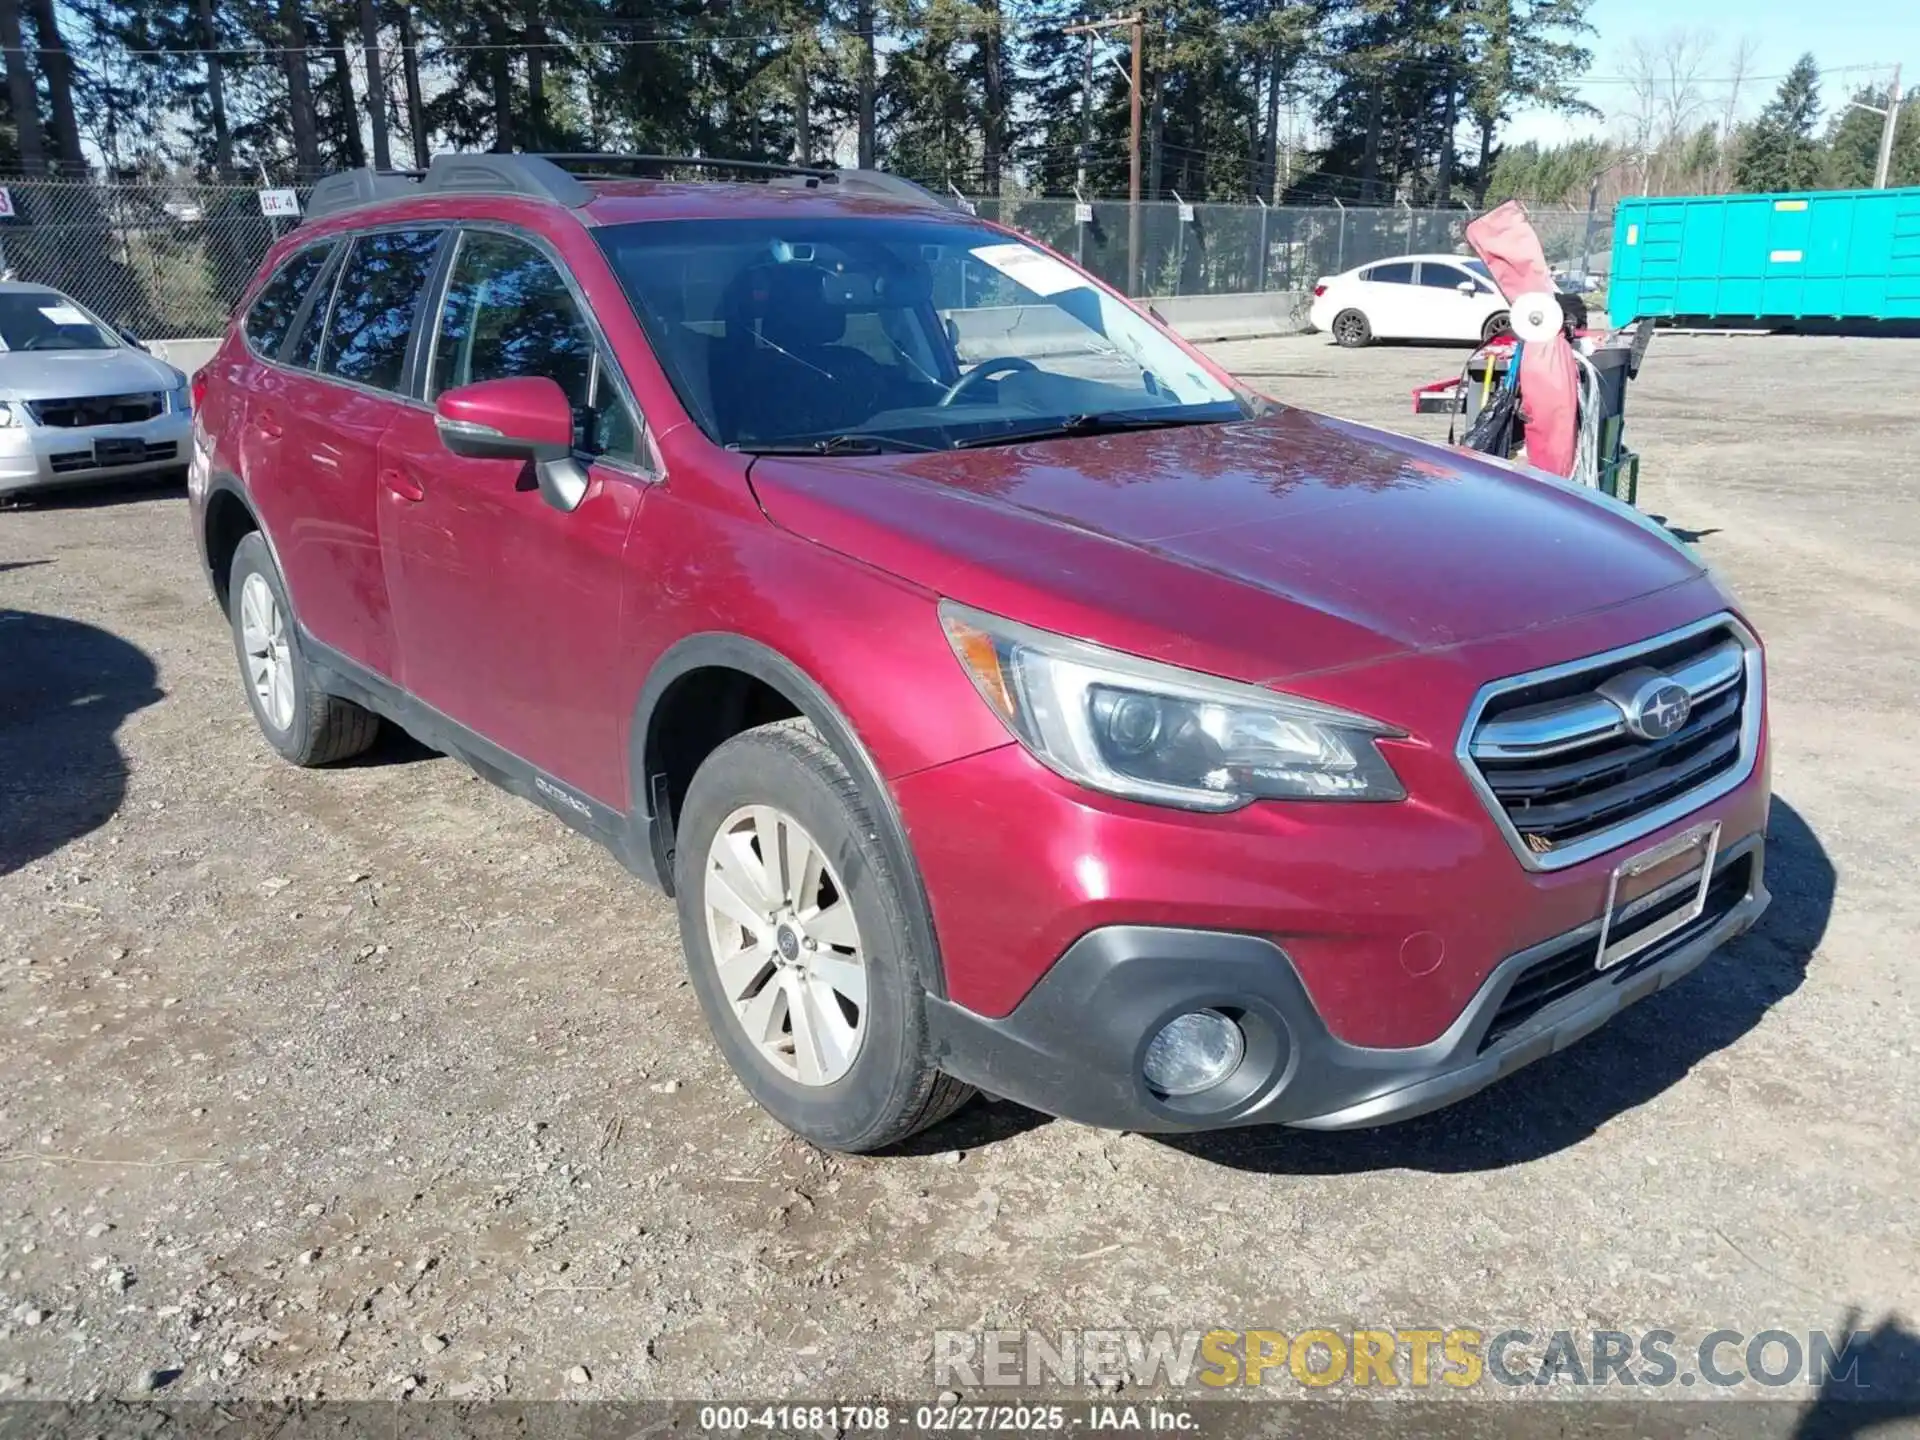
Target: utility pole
1133,182
1086,114
1885,162
1889,122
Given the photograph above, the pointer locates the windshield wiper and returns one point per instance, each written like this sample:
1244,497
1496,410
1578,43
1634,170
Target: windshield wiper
1089,424
833,445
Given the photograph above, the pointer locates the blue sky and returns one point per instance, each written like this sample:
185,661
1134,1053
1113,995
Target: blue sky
1840,33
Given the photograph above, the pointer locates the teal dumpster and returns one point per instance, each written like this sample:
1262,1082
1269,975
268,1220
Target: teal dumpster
1850,255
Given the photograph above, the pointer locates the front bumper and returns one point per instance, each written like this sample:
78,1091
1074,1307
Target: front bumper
1073,1047
38,457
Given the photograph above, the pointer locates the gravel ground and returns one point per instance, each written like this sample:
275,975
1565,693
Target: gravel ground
374,1081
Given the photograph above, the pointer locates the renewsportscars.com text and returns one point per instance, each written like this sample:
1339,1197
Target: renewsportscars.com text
1458,1357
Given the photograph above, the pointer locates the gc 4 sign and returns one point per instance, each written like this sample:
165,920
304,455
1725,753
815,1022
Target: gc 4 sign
280,203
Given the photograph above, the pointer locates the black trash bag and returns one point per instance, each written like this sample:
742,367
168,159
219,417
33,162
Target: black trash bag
1496,429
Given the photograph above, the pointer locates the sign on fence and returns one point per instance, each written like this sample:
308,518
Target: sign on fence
1083,214
6,203
280,203
1186,213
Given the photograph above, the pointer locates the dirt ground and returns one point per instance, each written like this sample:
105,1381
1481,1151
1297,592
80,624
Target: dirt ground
374,1081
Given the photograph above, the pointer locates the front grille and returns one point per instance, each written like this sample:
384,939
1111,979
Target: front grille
1560,764
97,410
68,462
1570,968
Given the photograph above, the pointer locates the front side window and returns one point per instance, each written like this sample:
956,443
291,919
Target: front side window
895,332
508,313
1442,277
1400,272
281,297
374,305
48,320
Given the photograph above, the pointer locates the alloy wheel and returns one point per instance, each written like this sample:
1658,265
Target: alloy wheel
263,635
786,944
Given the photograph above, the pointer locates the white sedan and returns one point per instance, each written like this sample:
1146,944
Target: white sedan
1412,297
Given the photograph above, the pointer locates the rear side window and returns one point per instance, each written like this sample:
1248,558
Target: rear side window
375,304
280,299
1398,273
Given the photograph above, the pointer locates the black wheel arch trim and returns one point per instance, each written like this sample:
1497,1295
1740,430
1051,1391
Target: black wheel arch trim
226,482
727,650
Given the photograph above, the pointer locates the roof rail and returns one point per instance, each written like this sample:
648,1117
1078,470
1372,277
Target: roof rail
623,166
351,188
890,187
551,178
534,176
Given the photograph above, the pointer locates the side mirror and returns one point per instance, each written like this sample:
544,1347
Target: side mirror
1467,287
526,419
132,339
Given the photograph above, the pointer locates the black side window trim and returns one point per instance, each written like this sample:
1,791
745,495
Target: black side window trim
606,366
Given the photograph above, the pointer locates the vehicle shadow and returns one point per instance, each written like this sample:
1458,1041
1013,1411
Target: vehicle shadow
1881,1388
1567,1097
64,689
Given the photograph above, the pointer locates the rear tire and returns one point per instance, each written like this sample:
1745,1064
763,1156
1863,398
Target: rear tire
1499,323
1350,330
300,720
829,1032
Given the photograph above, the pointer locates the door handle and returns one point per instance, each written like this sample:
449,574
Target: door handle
403,485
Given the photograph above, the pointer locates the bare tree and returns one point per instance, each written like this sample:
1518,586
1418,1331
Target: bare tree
1739,70
1665,80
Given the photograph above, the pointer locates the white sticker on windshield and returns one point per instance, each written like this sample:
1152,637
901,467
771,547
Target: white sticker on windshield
63,315
1042,274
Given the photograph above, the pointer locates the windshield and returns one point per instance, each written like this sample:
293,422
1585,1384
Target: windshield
894,333
48,320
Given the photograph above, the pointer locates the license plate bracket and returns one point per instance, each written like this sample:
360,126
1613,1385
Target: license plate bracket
119,452
1701,840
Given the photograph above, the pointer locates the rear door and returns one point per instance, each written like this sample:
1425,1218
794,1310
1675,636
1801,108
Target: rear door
507,610
343,386
1387,297
257,383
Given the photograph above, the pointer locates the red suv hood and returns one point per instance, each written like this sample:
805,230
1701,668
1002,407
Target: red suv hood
1266,549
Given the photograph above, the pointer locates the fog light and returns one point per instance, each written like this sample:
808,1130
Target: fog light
1193,1052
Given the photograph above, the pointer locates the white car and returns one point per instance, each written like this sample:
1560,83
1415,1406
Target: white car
79,402
1411,297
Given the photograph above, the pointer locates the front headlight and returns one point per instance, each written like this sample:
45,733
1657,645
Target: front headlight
179,398
9,415
1154,732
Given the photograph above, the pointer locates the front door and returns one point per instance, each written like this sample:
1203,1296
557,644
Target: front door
507,610
1448,311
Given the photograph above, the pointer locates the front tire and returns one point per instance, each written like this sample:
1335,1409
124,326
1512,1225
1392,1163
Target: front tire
798,945
1351,331
1498,324
304,723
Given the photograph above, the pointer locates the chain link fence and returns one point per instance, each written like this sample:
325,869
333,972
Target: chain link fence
159,260
167,260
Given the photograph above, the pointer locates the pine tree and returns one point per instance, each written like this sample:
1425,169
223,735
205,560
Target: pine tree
1778,151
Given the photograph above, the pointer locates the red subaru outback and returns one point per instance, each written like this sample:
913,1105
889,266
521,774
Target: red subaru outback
1008,698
